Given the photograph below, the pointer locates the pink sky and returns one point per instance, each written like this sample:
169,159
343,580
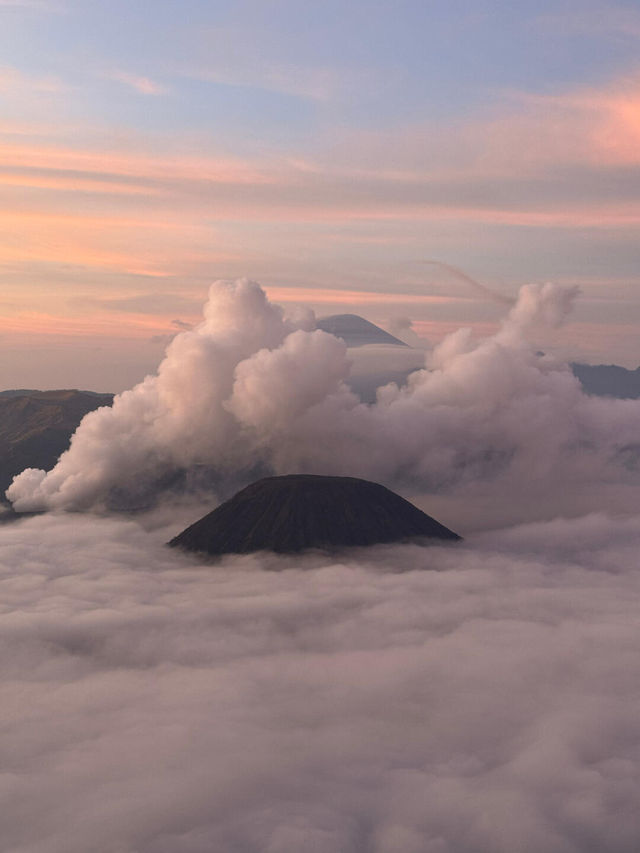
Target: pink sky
111,227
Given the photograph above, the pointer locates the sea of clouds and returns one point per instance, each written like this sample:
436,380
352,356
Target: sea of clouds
476,697
480,697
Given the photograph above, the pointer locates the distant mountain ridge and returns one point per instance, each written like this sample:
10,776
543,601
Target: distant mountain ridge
608,380
355,331
36,427
602,380
25,392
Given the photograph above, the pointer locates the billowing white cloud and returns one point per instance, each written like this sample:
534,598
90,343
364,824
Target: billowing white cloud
275,387
250,390
154,704
171,420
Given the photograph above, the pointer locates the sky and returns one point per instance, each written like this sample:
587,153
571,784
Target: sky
326,150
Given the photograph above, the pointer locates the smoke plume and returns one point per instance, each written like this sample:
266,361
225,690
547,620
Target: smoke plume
475,285
252,390
395,700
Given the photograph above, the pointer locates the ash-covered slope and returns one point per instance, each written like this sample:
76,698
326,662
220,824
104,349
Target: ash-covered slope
301,511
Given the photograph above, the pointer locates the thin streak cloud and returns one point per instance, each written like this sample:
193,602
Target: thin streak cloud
142,85
475,285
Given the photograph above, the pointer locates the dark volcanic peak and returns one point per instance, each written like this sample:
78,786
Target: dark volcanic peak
302,511
355,331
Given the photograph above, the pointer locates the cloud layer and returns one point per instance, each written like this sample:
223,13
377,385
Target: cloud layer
250,390
156,705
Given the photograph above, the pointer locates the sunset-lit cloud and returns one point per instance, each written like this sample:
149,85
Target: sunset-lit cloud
219,188
354,297
142,85
597,127
17,83
320,172
97,326
132,163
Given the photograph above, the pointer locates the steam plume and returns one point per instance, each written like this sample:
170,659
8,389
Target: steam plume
250,388
476,285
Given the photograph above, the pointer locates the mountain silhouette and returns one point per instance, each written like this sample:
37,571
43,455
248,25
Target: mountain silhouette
36,426
355,331
303,511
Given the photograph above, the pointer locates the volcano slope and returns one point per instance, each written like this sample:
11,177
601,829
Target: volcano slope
303,511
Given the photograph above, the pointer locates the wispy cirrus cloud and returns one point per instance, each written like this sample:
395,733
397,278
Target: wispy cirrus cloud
524,138
317,84
13,81
544,160
263,65
540,163
594,126
101,162
141,84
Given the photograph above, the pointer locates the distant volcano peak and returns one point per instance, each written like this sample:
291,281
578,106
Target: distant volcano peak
303,511
355,331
